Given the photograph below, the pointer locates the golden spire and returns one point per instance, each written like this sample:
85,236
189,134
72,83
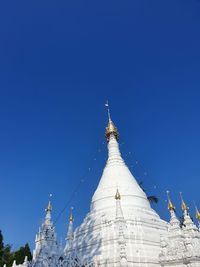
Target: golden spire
71,217
183,204
117,195
170,204
197,214
111,129
49,207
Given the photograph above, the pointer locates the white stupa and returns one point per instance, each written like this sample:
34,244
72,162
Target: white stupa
121,229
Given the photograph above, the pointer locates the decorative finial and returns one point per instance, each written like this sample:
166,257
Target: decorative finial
170,204
71,217
183,204
108,109
117,195
110,129
49,207
197,213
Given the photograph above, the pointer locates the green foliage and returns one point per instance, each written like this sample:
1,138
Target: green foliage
20,254
1,241
5,252
7,256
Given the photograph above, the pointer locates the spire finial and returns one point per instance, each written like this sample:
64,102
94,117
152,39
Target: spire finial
183,204
71,217
170,204
111,129
117,195
49,207
108,109
197,213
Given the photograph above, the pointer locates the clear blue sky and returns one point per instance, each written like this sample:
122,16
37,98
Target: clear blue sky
59,62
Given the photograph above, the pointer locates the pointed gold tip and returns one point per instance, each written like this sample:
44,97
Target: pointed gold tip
183,204
117,195
71,217
170,204
197,214
49,207
111,129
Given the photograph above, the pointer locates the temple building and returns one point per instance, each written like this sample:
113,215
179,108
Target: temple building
121,229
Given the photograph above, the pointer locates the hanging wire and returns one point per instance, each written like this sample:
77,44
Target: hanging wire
138,164
80,182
